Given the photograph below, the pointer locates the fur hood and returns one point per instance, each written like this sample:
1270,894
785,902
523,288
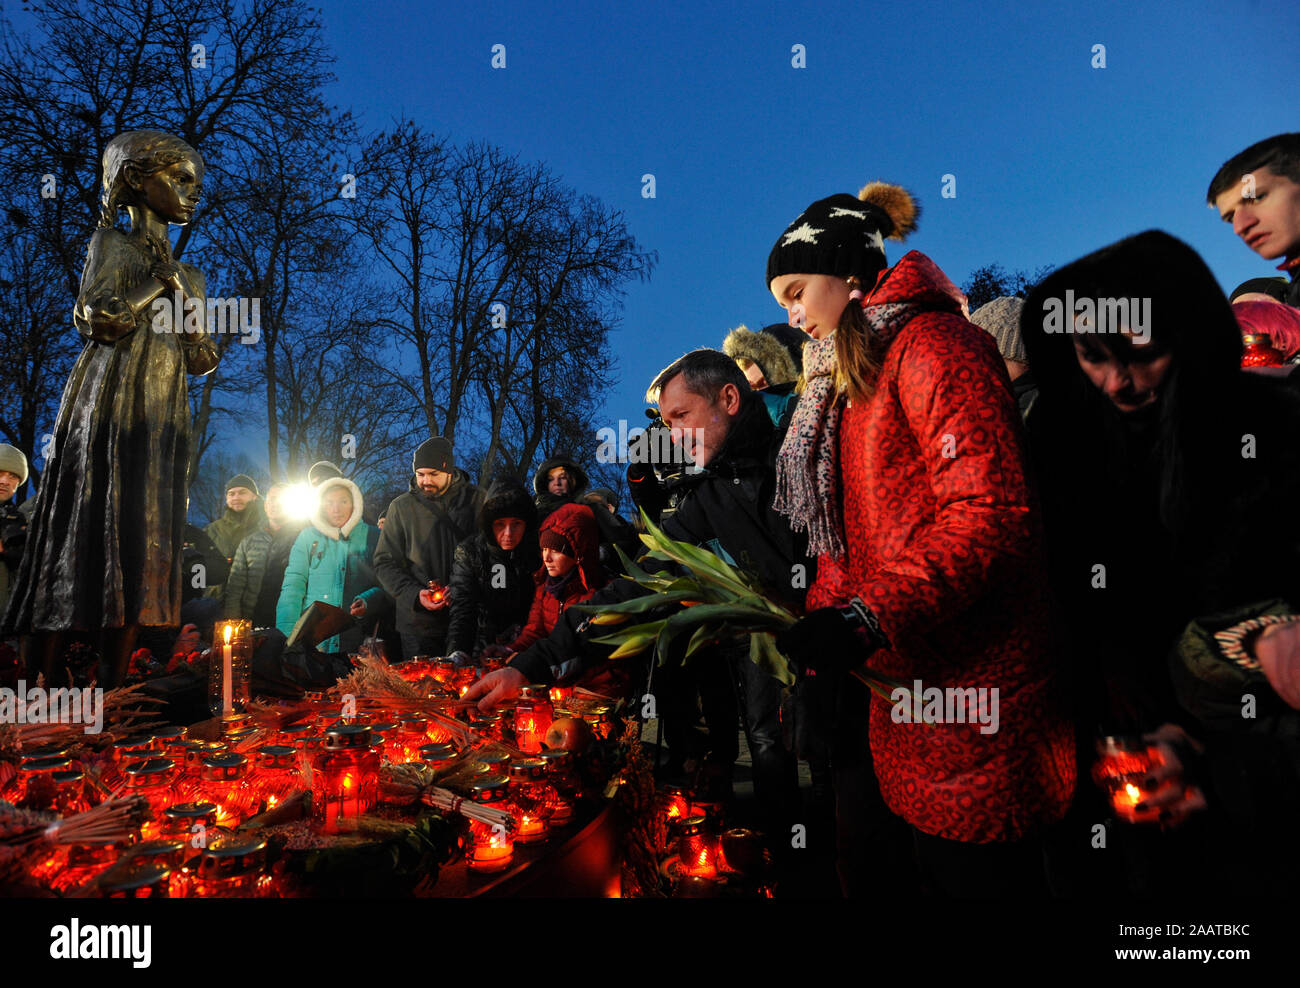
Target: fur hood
507,500
762,349
358,506
579,475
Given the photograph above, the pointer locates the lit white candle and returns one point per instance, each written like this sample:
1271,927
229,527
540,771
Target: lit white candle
227,705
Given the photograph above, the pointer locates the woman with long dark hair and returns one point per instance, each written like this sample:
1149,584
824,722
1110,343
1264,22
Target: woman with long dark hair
1168,477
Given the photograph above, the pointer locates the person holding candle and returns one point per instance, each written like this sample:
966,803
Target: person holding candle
1168,476
331,561
418,544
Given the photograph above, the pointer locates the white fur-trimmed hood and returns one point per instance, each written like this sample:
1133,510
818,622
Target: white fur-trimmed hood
358,506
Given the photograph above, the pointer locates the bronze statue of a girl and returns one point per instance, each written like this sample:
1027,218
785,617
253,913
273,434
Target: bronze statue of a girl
104,546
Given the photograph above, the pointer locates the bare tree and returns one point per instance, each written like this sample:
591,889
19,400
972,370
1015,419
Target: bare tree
223,75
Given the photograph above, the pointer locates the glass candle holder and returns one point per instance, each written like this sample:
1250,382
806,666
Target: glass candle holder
381,734
1122,764
70,798
488,725
165,737
166,851
135,880
230,868
154,780
345,780
275,774
494,762
191,768
532,800
443,670
439,757
132,749
600,719
561,694
224,780
1259,351
559,771
696,849
491,848
185,821
463,678
490,663
294,735
228,667
674,803
533,716
37,788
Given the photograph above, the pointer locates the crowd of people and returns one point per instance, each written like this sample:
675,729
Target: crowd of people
1086,520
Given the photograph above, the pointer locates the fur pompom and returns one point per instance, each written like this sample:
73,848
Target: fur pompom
895,200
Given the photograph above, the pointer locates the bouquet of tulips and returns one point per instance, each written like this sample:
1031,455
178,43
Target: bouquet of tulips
711,601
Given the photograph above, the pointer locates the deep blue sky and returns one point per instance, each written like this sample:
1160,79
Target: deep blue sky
1053,158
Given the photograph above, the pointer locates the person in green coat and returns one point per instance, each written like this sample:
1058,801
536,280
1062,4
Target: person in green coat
243,515
331,561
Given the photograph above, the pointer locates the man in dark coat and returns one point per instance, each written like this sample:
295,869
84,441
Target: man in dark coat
492,575
241,518
724,506
13,519
416,548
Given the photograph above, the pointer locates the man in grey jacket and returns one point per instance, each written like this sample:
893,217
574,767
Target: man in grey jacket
416,548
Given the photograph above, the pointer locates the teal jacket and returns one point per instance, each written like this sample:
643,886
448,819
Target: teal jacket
334,565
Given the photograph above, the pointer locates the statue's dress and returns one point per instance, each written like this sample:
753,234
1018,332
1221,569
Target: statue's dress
104,544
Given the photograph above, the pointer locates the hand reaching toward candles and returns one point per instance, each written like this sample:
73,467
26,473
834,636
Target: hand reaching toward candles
358,608
496,687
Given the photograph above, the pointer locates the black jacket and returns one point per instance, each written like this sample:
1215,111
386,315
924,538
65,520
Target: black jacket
491,588
727,508
1187,510
418,544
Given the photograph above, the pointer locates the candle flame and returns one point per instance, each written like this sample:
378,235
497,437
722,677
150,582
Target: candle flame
228,630
1134,793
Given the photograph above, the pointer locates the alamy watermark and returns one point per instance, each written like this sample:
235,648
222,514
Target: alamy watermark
953,705
236,316
57,706
1098,315
641,445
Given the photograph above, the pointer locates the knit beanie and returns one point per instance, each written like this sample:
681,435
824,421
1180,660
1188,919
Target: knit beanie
243,480
1001,320
434,454
12,460
553,540
844,235
321,471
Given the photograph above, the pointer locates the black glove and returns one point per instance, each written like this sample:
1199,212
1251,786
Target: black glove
830,640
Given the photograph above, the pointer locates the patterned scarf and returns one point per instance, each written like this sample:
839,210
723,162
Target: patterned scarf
808,467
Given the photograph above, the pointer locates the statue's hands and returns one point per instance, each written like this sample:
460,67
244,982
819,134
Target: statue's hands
169,273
